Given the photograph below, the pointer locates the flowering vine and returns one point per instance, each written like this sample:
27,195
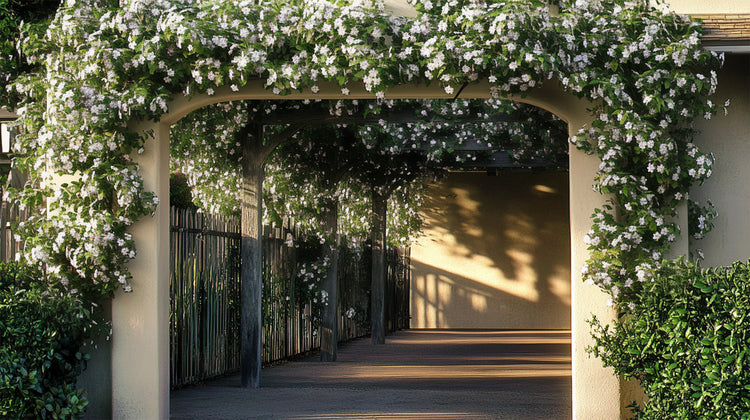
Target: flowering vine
309,289
107,62
385,154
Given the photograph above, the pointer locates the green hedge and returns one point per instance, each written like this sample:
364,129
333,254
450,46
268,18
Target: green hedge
41,333
687,341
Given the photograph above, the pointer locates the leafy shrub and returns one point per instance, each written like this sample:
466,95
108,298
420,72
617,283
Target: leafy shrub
687,341
180,194
41,332
36,15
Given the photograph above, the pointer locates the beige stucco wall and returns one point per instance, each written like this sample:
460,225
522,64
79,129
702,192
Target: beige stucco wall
495,253
6,114
96,380
710,6
728,137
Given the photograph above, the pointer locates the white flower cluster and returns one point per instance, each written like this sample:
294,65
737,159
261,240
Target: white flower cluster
104,66
311,276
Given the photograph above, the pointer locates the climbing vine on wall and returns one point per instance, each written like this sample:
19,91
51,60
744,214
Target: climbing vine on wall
105,63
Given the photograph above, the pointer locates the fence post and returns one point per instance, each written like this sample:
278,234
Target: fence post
252,270
200,334
329,324
379,209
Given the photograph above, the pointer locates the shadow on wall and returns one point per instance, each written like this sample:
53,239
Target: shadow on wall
495,253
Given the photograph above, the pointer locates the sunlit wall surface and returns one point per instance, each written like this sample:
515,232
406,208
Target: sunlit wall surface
495,253
713,6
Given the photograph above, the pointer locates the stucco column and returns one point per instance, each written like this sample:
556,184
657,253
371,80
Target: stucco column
140,319
596,390
598,394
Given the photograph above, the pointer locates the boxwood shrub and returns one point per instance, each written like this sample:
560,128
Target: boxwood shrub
41,333
687,341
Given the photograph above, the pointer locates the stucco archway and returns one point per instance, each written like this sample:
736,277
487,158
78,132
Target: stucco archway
140,352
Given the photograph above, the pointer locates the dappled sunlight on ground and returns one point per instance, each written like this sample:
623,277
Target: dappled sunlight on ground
394,416
417,374
514,370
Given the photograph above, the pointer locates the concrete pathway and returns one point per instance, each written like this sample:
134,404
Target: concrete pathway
417,374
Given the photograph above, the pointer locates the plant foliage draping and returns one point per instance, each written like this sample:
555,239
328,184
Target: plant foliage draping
401,142
104,65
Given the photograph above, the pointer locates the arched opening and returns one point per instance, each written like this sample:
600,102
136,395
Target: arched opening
149,383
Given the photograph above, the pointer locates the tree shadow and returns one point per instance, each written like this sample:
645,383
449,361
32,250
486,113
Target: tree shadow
495,253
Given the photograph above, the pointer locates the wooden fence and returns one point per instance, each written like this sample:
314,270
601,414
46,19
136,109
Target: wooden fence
205,298
288,330
205,305
9,245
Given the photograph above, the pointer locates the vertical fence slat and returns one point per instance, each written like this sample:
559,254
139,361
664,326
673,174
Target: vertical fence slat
205,295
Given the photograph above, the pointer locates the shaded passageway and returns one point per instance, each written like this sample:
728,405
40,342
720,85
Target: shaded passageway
418,374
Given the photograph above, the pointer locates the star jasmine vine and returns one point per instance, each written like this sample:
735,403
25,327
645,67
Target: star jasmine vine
204,148
105,63
292,186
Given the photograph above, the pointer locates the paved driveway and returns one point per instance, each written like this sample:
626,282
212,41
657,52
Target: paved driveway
417,374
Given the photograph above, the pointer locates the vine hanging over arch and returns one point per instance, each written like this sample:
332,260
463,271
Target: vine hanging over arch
104,63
